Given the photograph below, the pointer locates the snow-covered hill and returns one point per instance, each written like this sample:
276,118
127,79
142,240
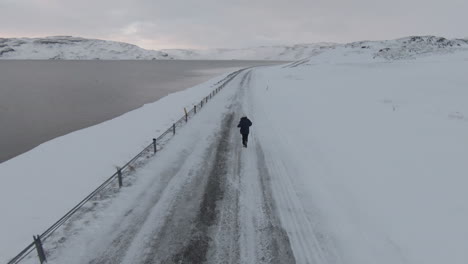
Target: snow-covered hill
408,47
287,53
73,48
403,48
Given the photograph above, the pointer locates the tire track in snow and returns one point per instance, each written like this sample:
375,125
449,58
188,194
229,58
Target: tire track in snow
196,249
134,219
215,236
185,234
310,244
262,235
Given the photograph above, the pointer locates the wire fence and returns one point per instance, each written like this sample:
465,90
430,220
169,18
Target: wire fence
109,186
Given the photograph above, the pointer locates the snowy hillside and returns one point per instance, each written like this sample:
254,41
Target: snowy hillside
287,53
408,47
72,48
404,48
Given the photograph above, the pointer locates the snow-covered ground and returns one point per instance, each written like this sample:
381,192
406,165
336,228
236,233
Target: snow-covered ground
364,160
74,48
375,151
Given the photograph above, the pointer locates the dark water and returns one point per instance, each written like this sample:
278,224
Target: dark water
40,100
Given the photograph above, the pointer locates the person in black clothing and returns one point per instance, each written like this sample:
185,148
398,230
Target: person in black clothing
244,125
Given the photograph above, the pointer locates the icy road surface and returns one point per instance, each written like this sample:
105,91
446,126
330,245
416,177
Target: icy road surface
204,199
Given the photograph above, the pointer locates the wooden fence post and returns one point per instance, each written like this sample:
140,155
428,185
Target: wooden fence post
40,249
195,109
173,128
119,176
154,145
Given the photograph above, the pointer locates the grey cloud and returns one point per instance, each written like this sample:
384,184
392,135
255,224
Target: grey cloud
241,23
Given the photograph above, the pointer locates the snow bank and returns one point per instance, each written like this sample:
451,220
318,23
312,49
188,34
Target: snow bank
376,151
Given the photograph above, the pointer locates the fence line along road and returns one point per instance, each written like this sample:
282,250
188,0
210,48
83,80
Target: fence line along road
127,169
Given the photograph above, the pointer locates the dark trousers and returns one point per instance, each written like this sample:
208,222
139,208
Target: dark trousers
245,138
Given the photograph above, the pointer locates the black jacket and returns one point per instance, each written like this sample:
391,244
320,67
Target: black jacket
244,125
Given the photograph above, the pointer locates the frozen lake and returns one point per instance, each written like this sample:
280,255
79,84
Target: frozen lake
41,100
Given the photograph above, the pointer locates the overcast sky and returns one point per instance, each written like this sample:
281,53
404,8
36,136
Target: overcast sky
157,24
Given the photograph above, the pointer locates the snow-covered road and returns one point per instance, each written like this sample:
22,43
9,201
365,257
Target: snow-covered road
204,199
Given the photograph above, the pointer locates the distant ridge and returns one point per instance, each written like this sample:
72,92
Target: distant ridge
76,48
